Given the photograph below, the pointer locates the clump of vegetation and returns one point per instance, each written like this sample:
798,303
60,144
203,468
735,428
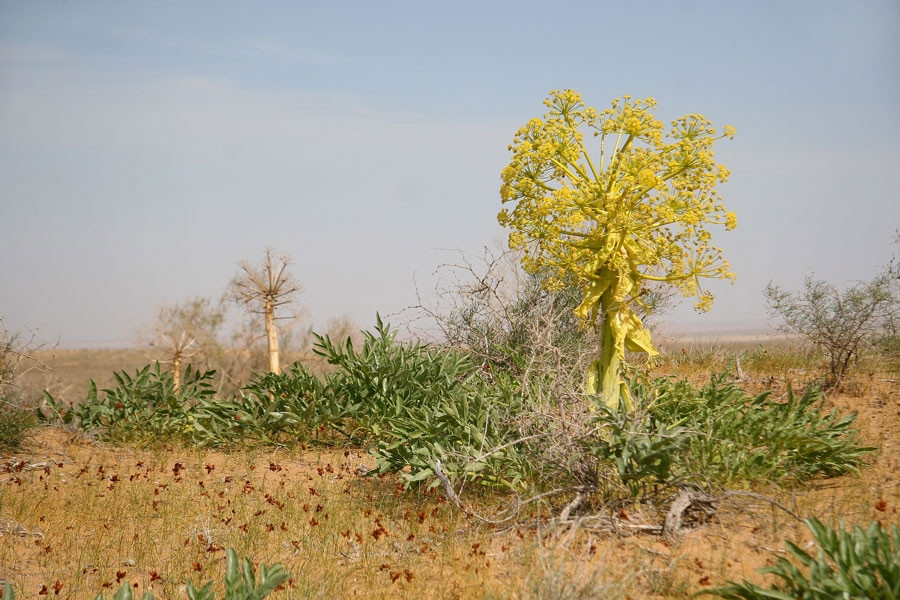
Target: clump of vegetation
15,418
145,407
419,403
411,403
415,404
719,435
840,322
241,582
859,563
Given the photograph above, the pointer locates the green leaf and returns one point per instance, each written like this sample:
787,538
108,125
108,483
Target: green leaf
204,593
124,592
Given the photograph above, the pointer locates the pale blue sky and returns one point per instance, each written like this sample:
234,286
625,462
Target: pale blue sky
145,148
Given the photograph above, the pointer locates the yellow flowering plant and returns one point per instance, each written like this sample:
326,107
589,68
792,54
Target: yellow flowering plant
628,207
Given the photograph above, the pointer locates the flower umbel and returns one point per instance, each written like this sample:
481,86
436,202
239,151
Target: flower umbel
608,201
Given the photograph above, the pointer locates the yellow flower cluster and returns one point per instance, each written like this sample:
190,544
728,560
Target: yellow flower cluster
626,207
630,200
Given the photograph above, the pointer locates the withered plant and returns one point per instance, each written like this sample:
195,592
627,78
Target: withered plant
262,288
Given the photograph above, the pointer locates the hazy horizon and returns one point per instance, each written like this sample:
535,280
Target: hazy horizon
147,148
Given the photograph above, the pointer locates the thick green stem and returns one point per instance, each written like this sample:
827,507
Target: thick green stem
608,366
605,373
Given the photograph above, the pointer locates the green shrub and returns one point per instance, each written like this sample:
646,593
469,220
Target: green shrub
860,563
240,581
247,419
723,434
309,400
142,407
384,377
643,450
465,427
413,403
747,438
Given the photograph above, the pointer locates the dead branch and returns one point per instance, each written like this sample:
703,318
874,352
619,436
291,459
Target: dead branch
576,502
268,284
507,445
451,495
688,500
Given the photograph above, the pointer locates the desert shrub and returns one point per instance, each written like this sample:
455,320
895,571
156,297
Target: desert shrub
859,563
509,319
307,398
417,402
15,422
276,409
367,387
412,403
528,332
723,434
385,377
840,322
15,418
743,437
642,450
464,427
244,420
718,433
509,322
142,407
503,318
420,403
146,407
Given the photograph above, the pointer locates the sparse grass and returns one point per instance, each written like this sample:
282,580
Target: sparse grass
101,515
778,358
767,363
156,516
